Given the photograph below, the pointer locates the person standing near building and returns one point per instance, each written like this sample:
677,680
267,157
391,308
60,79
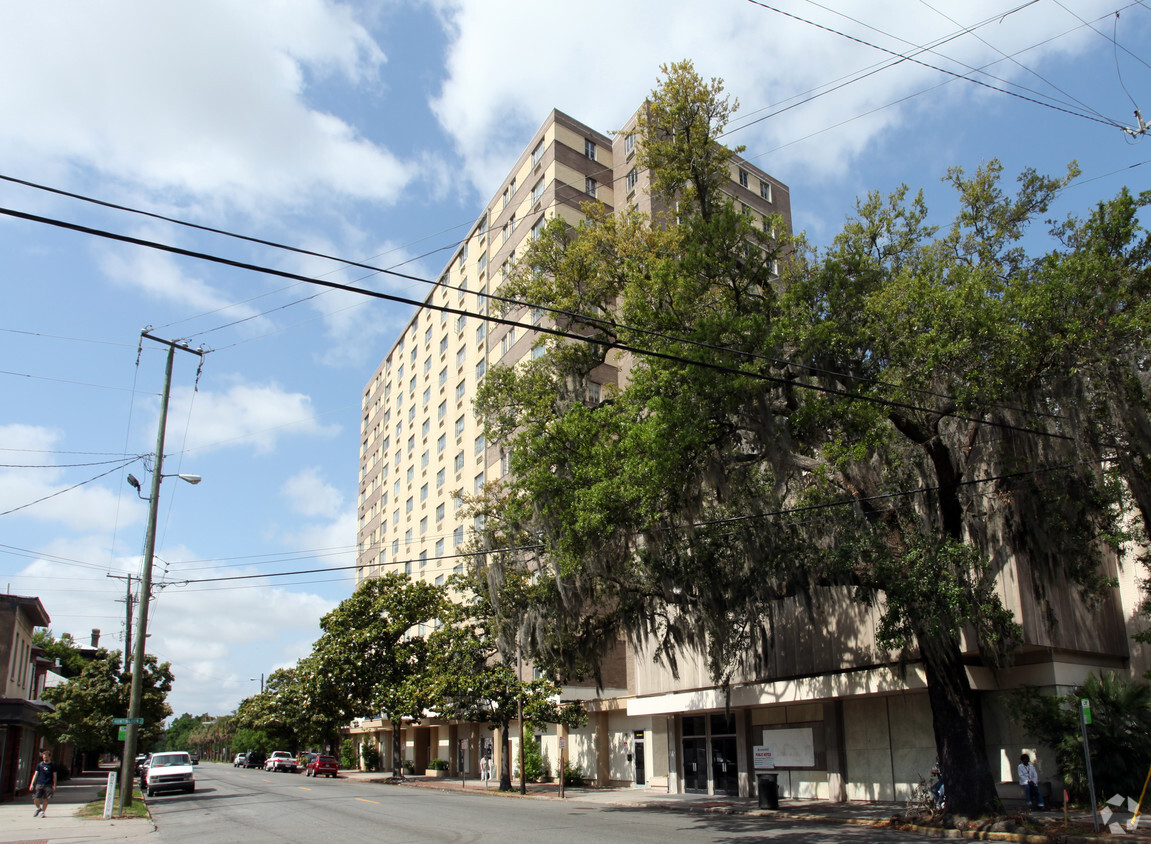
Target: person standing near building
43,783
485,770
1029,779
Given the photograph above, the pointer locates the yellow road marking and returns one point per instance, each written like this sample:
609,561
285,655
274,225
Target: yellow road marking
303,788
365,800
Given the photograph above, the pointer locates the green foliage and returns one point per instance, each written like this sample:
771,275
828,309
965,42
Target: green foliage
897,372
248,740
536,766
63,651
370,754
1119,735
573,776
438,765
85,706
348,755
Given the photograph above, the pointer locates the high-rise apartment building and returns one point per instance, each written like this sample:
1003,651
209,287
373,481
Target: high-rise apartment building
421,444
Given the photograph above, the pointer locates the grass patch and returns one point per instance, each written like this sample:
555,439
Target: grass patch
95,809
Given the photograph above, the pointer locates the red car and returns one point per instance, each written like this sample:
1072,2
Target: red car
322,765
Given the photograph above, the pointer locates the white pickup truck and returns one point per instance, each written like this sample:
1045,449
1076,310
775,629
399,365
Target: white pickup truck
282,760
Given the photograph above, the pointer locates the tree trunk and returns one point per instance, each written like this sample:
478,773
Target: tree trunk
397,750
506,758
958,725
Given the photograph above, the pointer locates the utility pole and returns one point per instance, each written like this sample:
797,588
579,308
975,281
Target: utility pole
127,767
127,615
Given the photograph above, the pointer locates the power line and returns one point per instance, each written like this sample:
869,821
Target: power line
556,332
115,468
905,57
69,381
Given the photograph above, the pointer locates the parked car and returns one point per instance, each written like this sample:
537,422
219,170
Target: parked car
281,760
241,760
169,772
140,760
304,758
256,759
322,766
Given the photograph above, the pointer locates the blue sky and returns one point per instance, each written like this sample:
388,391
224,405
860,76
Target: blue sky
374,131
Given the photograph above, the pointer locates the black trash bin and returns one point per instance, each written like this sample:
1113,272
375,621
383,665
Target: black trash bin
768,787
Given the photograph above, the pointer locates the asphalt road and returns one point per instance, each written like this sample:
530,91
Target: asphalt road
254,807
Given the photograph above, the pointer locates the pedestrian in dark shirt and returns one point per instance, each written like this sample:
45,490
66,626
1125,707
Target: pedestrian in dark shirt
43,783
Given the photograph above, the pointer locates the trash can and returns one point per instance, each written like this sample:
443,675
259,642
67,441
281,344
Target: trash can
768,787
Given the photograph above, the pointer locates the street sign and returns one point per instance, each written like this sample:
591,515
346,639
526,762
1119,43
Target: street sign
123,722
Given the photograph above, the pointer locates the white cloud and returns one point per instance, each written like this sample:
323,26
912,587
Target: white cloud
62,494
201,96
246,415
309,495
163,278
764,57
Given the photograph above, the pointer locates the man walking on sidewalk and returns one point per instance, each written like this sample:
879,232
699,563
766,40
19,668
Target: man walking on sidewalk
43,783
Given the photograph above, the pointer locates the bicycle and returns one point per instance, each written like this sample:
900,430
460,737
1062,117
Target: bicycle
922,802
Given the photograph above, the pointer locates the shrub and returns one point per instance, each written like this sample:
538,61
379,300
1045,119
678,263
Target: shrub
371,756
409,766
438,765
1119,735
573,775
348,755
535,764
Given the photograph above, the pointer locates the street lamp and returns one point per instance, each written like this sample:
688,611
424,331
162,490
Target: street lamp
253,679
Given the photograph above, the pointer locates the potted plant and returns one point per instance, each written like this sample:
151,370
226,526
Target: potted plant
437,768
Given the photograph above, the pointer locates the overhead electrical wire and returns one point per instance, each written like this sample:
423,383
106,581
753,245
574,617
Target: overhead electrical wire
904,57
613,344
611,324
116,468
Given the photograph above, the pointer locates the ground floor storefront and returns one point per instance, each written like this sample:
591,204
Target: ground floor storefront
876,744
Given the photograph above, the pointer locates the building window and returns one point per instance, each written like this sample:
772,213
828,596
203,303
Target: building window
395,548
505,463
444,341
480,444
507,197
589,148
443,376
538,228
395,518
459,462
461,321
408,537
428,336
482,263
765,190
538,192
440,475
742,178
423,525
631,179
461,355
461,390
427,365
409,504
481,332
458,536
441,443
442,410
589,186
629,143
425,459
423,562
411,474
427,396
439,547
440,513
509,340
411,444
481,368
479,482
538,351
593,392
425,428
460,426
537,154
463,255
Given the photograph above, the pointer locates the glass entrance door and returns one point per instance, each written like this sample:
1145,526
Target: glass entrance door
640,767
695,765
724,767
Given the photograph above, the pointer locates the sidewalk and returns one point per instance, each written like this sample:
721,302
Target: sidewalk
17,826
862,813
